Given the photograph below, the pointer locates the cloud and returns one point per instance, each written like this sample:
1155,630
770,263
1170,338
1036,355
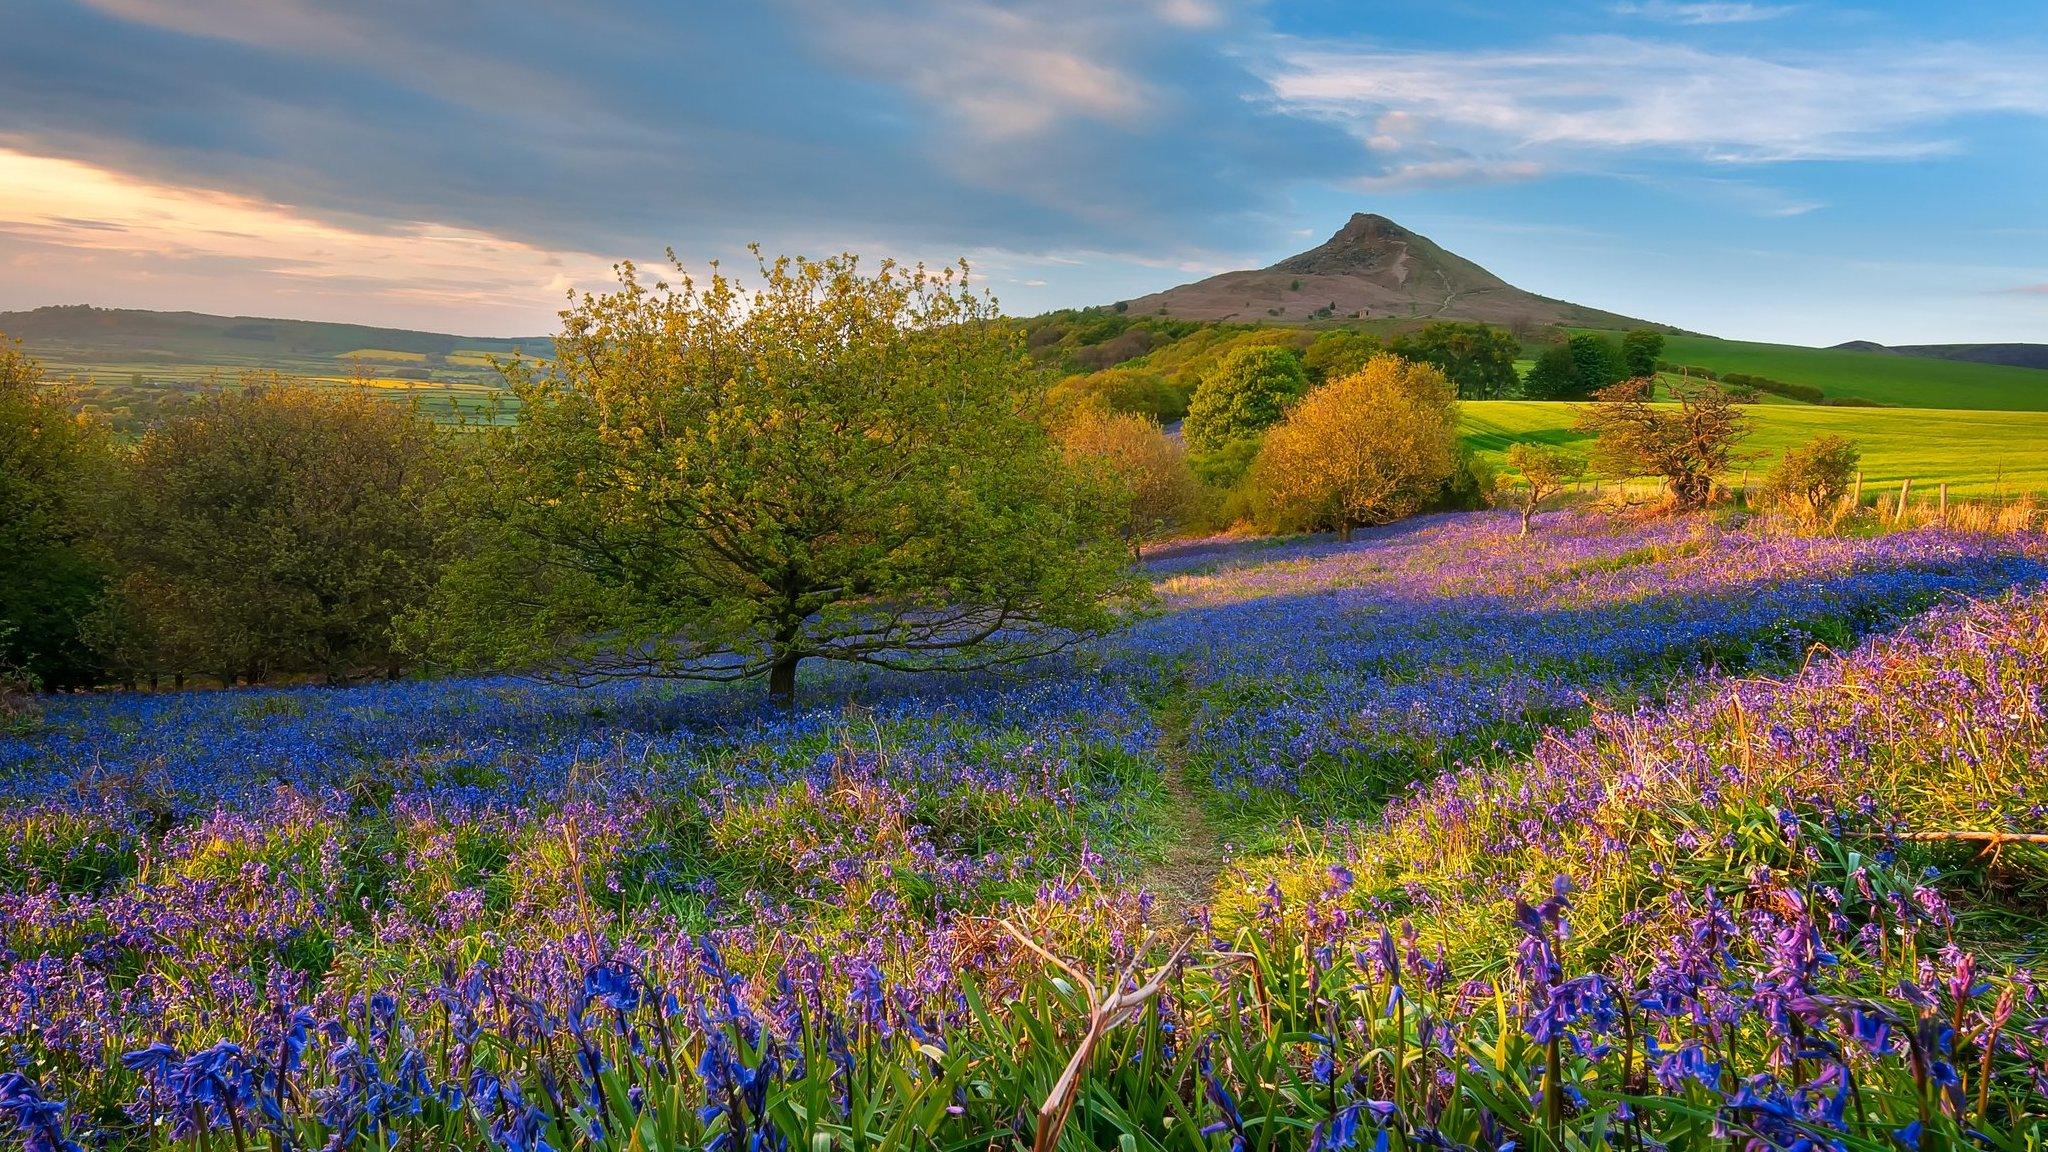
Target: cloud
77,224
1614,95
1432,173
2030,290
1674,12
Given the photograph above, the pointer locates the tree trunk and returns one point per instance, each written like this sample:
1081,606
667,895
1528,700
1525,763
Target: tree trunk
1344,531
782,679
1528,514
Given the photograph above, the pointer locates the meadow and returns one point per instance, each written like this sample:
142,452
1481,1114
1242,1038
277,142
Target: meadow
1634,834
1887,378
1979,454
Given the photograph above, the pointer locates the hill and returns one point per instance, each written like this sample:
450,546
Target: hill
1372,268
83,335
1884,375
2012,355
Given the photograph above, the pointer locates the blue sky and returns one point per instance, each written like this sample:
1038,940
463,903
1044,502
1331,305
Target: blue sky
1803,172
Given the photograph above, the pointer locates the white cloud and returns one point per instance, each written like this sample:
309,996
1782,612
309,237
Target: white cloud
1676,12
1424,173
1611,94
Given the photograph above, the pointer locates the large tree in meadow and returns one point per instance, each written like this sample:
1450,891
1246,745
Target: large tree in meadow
1242,396
715,482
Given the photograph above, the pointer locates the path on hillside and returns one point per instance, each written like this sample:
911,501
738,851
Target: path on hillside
1185,875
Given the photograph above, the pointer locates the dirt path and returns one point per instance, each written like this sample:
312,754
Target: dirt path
1185,876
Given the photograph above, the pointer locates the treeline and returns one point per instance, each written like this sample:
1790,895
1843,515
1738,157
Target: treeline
270,530
1746,386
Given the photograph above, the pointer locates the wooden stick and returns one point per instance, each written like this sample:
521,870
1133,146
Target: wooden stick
1979,837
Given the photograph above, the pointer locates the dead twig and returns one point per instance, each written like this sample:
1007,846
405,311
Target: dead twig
1104,1013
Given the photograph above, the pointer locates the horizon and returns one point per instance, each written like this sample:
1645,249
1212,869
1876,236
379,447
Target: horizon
1792,173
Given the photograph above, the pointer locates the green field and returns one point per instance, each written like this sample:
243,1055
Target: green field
1978,453
1888,378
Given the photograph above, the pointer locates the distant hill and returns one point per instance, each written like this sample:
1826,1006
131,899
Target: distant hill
1371,269
2010,355
87,336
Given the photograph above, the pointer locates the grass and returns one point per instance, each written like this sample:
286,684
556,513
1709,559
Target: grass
1978,453
384,354
1907,381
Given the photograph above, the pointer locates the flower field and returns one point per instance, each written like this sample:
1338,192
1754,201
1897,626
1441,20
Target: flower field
1633,835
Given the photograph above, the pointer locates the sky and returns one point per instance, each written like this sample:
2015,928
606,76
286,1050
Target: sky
1797,172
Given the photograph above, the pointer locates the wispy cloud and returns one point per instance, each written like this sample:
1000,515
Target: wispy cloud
1620,94
1676,12
2030,290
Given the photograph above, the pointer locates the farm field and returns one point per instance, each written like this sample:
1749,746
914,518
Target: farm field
1978,453
1441,824
1888,378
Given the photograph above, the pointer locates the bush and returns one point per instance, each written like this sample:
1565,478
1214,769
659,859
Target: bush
1812,480
1246,393
1374,446
275,529
1477,358
1134,456
1543,471
1640,348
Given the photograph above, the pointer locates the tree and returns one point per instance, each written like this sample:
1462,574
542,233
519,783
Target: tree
1687,443
714,483
1641,348
1597,360
1555,376
1544,472
1371,447
51,459
1478,358
1136,458
1243,395
1337,354
1811,480
273,529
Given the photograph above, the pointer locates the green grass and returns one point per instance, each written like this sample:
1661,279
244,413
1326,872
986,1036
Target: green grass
1907,381
1977,453
384,354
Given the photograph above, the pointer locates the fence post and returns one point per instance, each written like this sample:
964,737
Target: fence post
1905,489
1944,503
1856,493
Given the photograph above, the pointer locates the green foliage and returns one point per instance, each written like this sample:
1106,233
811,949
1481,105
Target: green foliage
1478,358
1543,471
1125,388
50,463
1810,482
1555,375
715,484
274,530
1640,348
1338,354
1243,395
1597,361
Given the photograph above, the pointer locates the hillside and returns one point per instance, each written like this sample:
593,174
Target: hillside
161,343
1372,268
1884,376
2013,355
1977,453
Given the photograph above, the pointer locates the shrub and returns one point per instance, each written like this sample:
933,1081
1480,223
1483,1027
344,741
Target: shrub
1478,358
1640,348
1374,446
1543,471
1686,447
1810,482
1132,454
